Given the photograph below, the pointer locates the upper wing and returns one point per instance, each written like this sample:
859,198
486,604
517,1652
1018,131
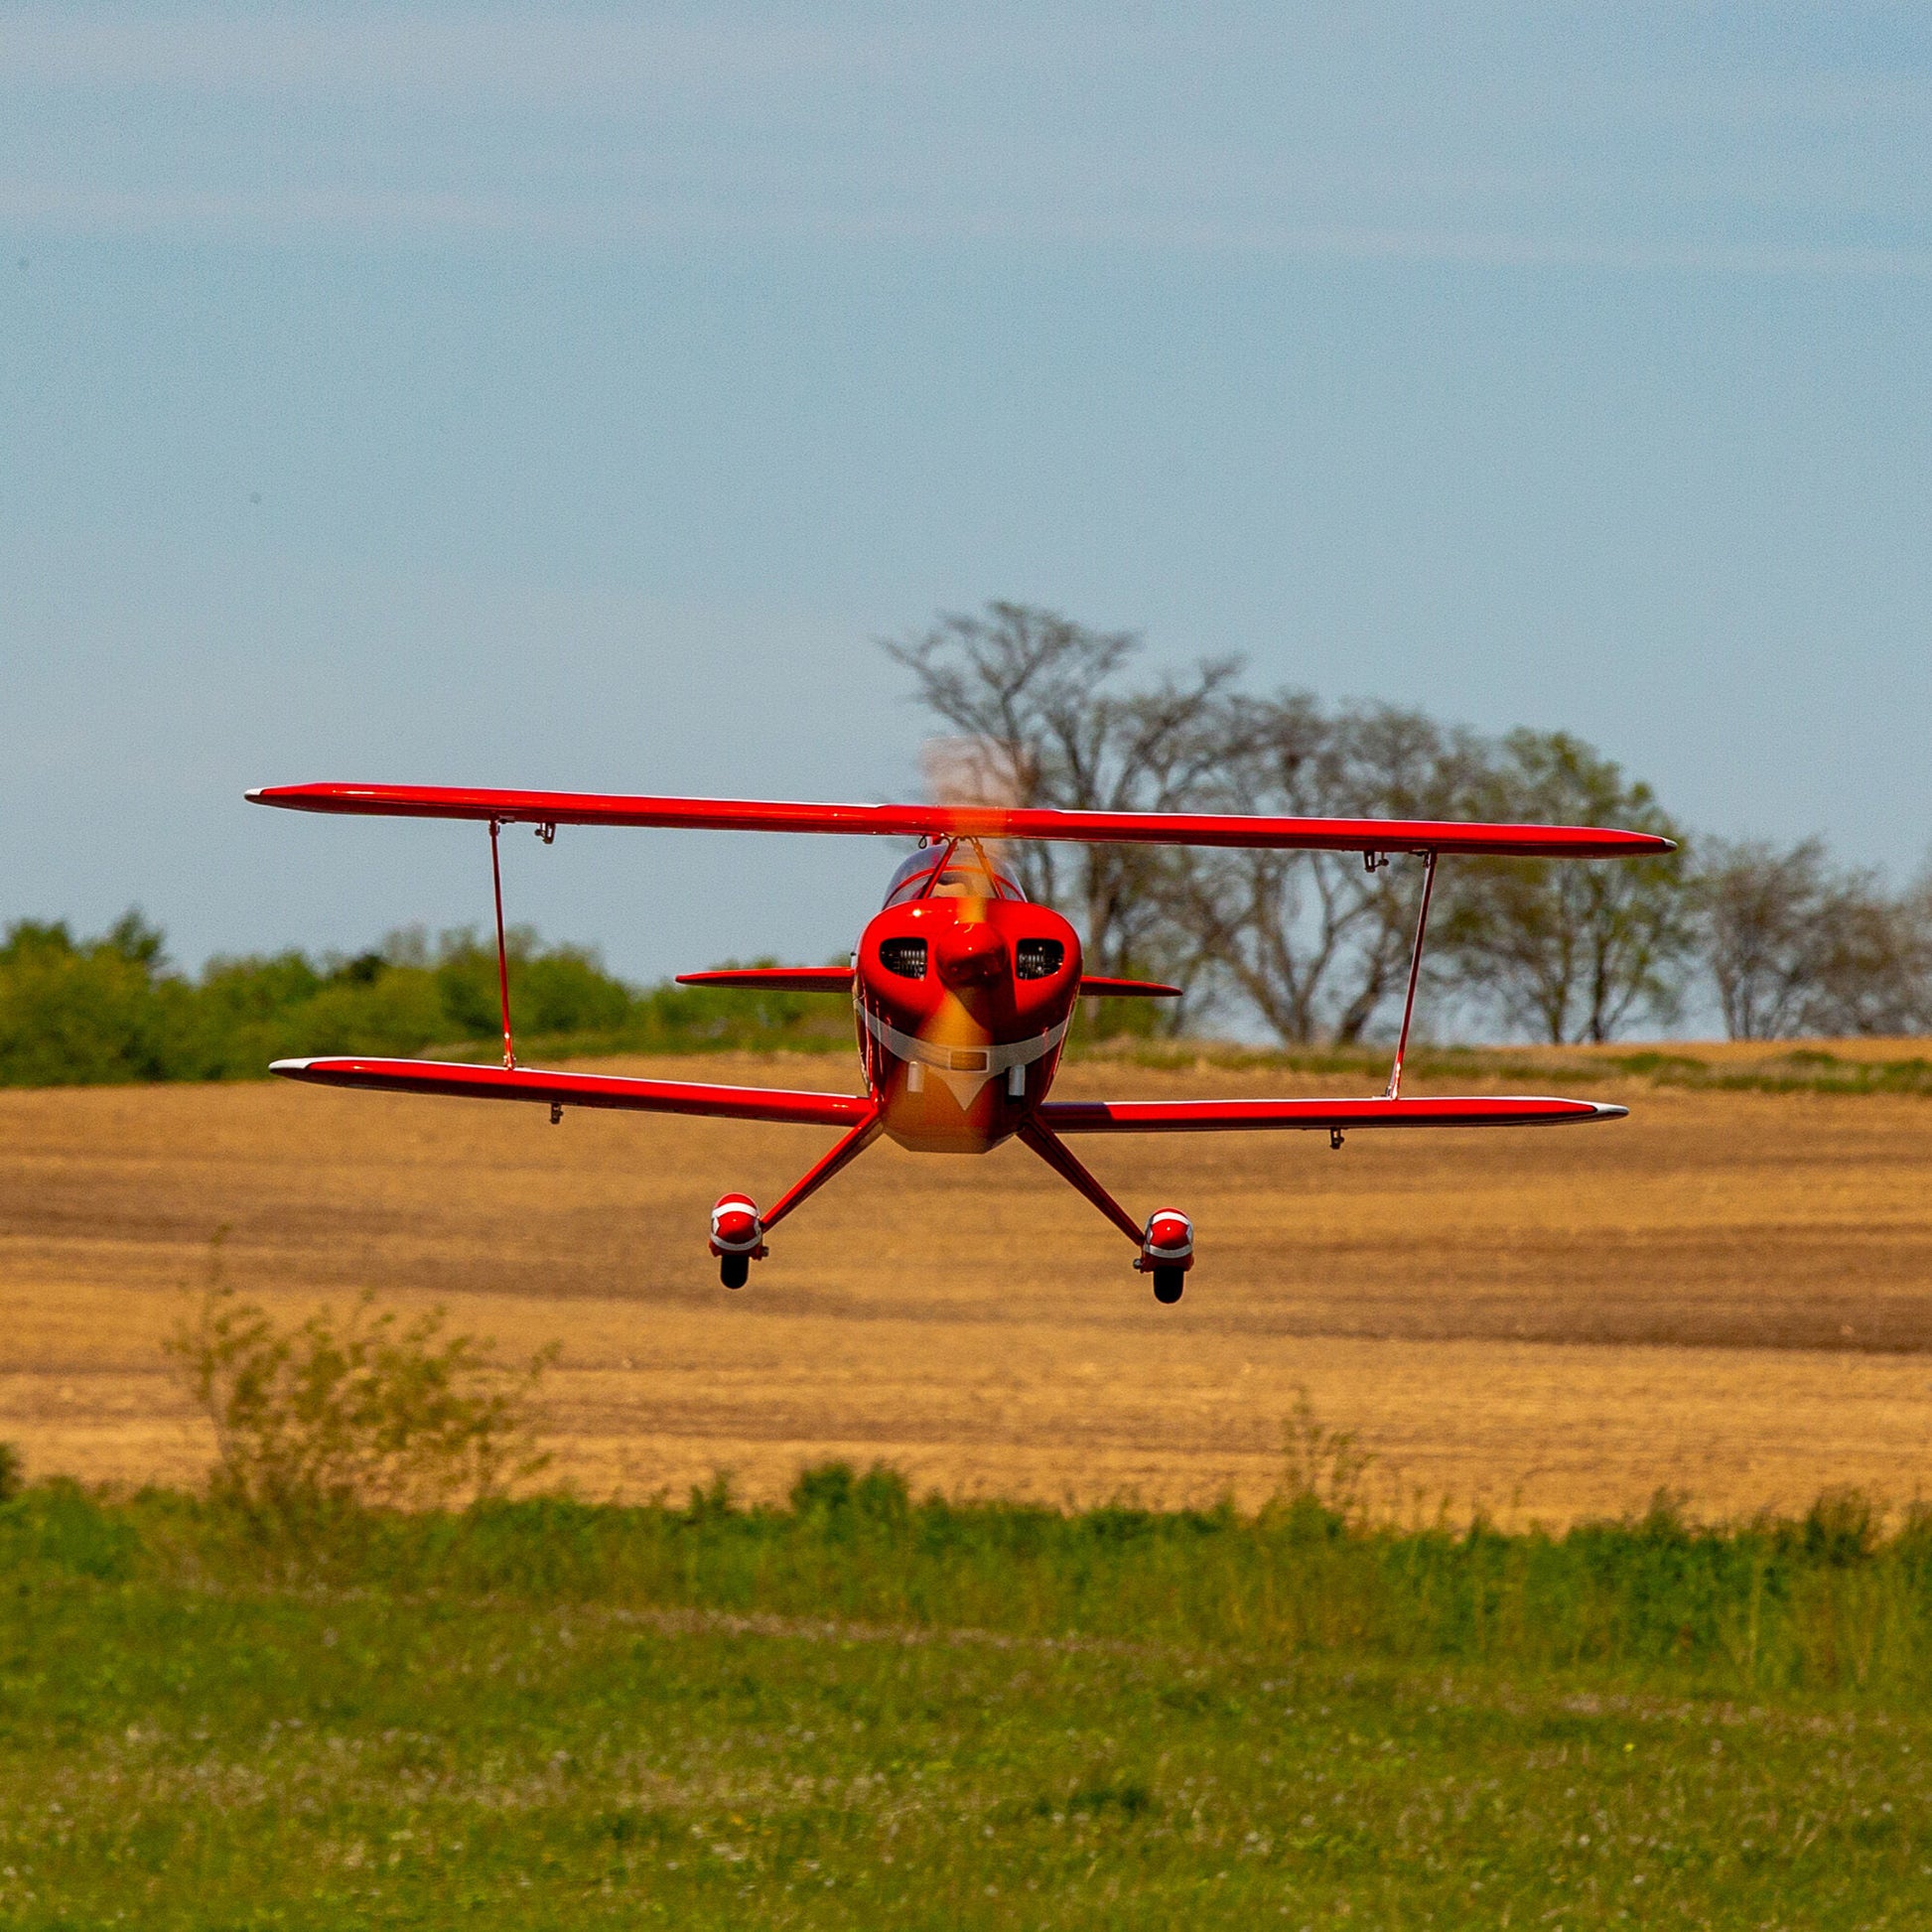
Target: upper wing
583,1090
968,821
1211,1116
1100,987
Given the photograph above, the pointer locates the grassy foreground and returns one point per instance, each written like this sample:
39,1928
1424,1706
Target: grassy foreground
862,1712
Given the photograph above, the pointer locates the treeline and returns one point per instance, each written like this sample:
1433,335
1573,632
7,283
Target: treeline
1777,942
1041,710
86,1012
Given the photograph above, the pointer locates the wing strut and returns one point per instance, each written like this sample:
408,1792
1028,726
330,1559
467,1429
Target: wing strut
1394,1090
502,952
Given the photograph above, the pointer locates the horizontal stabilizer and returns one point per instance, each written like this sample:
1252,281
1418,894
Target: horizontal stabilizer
583,1090
838,979
1235,1116
967,821
775,979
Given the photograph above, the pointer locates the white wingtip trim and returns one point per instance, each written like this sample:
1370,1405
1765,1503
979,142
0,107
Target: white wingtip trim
289,1068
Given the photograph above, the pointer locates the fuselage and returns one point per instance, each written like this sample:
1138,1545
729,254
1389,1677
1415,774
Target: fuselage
963,993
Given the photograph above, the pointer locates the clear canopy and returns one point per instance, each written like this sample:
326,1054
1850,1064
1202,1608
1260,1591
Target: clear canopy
964,874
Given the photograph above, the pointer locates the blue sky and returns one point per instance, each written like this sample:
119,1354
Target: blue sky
571,398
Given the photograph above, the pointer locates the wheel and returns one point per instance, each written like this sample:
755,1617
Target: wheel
734,1270
1167,1284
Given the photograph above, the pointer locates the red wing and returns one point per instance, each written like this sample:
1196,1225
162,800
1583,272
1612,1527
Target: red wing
1097,986
776,979
1226,1116
967,821
583,1090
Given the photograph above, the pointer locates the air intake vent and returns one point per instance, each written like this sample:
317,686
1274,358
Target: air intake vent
1037,959
906,957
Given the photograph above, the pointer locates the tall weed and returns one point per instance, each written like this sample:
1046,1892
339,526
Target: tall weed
319,1423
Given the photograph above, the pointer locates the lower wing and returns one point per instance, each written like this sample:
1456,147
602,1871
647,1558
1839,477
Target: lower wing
583,1090
1230,1116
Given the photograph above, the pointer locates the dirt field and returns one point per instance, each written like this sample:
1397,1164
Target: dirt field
1729,1294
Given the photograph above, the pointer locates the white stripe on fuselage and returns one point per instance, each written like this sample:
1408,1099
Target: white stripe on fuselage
963,1082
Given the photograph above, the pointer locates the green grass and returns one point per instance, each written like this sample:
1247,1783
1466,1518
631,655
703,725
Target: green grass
862,1712
211,1761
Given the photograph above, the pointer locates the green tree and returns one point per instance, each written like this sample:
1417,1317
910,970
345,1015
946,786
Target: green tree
91,1011
87,1011
553,989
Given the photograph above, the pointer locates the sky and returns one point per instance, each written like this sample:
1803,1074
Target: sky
562,398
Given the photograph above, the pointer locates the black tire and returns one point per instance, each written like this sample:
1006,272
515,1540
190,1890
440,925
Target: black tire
734,1270
1167,1284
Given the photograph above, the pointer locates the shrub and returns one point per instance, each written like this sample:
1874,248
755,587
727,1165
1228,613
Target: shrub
56,1529
833,1495
1320,1488
370,1411
1843,1527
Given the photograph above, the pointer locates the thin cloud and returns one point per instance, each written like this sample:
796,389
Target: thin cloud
535,60
1508,139
382,216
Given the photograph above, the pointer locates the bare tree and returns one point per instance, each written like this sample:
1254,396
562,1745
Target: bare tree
1797,946
1769,918
1034,698
1315,942
1874,973
1573,950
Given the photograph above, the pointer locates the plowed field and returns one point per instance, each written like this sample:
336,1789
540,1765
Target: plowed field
1730,1293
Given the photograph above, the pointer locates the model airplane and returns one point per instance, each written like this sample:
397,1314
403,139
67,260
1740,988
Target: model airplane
962,992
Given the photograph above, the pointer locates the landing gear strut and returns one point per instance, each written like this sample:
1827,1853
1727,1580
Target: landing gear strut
1167,1243
738,1229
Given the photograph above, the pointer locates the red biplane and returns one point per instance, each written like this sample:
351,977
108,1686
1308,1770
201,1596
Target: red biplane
962,991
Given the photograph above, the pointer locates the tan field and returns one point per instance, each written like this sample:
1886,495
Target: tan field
1728,1294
